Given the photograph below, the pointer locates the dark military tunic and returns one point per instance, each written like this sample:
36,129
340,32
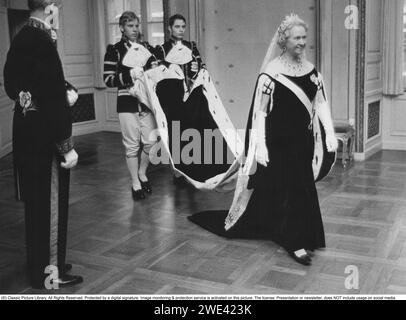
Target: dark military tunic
41,135
116,75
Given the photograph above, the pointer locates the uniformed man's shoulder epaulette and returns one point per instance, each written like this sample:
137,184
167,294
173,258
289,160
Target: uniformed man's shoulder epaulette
122,44
119,44
110,47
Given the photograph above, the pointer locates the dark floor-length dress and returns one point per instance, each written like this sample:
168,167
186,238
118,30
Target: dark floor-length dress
284,205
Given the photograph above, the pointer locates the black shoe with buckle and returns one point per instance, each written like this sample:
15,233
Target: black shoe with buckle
68,280
146,186
302,258
138,194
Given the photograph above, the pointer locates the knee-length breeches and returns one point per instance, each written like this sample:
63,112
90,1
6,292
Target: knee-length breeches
138,132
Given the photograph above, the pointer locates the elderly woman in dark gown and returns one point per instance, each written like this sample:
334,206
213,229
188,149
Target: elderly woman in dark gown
276,196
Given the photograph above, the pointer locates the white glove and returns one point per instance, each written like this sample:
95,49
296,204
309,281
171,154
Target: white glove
71,159
261,154
261,151
331,142
194,66
72,97
136,73
323,111
54,35
133,90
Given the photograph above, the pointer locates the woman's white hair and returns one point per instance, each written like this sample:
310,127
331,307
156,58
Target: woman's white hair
287,24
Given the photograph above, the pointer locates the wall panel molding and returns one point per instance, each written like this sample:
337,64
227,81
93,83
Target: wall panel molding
374,119
75,45
394,123
374,93
374,71
360,78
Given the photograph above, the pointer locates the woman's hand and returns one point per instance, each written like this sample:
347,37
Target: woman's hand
261,151
331,142
261,154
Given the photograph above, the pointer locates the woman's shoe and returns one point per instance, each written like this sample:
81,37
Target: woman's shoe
301,256
137,194
146,186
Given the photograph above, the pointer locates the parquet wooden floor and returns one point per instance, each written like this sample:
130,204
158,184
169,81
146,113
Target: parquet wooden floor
149,247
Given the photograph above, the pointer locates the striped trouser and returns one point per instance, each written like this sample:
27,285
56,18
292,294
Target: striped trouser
46,219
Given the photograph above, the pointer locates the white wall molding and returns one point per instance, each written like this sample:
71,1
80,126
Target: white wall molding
111,127
359,156
394,145
373,147
87,127
394,123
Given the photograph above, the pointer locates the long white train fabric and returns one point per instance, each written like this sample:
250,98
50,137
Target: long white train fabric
145,90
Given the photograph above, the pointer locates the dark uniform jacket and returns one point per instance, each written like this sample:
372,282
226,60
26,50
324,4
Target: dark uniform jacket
163,50
116,75
43,130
